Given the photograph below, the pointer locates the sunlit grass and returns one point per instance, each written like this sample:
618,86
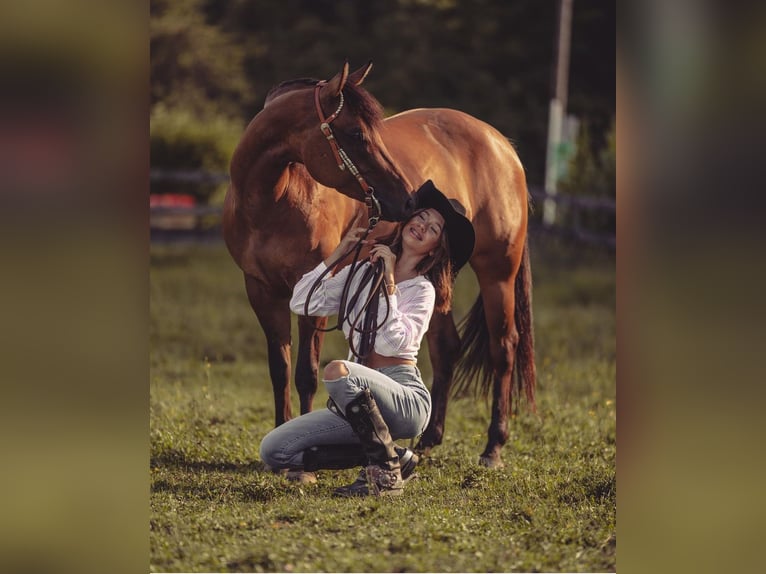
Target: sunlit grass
215,508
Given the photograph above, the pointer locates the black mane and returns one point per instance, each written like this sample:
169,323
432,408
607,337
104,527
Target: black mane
363,104
288,86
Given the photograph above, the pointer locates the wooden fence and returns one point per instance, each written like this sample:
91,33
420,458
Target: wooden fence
203,219
577,204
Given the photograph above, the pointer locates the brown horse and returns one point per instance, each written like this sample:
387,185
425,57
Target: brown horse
282,215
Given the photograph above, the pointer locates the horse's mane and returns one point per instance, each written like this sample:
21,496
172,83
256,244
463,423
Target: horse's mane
289,86
358,100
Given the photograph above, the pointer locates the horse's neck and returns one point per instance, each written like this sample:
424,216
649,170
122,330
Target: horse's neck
262,158
276,187
269,178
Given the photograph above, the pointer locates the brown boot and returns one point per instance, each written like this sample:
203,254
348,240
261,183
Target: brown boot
408,460
383,472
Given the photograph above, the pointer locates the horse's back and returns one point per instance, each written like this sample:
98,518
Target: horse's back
470,161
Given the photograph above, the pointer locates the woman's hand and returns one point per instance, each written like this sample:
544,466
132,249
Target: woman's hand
349,240
352,238
383,252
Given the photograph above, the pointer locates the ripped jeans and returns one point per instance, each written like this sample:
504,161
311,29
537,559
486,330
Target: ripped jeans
401,396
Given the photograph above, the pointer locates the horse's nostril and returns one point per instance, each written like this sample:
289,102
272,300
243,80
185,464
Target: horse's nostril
409,205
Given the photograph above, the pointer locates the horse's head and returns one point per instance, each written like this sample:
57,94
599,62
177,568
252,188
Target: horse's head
344,149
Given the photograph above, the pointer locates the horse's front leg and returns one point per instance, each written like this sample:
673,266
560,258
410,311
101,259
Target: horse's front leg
273,313
309,349
443,348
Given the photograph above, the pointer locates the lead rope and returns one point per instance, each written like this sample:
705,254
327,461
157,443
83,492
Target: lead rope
368,313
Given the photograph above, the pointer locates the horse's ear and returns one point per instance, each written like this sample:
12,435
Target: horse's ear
359,75
339,80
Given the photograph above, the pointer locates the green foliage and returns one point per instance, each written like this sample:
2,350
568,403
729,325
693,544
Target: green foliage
491,58
194,65
179,140
215,508
591,173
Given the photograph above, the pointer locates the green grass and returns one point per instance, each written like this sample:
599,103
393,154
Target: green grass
214,508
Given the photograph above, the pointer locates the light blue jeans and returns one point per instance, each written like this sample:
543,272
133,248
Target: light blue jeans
401,396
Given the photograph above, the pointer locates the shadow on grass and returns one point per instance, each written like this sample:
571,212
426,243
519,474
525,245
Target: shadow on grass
206,480
175,459
256,491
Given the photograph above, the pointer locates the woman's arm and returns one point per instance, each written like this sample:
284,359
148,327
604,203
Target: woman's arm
325,299
349,240
408,319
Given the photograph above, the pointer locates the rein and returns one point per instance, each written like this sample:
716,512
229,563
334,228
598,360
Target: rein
368,313
373,274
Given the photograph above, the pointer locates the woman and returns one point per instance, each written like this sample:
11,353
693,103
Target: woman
377,395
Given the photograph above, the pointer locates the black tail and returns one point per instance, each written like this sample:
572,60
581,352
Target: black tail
524,370
474,367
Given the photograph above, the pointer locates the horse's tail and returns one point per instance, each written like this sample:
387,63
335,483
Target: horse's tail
474,367
524,370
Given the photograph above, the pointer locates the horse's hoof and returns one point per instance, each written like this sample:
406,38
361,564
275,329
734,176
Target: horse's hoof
426,443
494,462
422,451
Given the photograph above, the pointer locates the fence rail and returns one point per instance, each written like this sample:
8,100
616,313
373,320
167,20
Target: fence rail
579,203
592,203
163,216
188,176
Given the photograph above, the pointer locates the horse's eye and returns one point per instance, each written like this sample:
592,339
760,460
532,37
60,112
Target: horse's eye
358,134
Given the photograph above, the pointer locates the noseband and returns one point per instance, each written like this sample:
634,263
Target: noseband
343,161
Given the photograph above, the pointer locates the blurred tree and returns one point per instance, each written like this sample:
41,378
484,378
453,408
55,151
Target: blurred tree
591,173
490,58
194,65
593,64
178,140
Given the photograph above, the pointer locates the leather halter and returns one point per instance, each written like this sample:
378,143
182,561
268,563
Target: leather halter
342,159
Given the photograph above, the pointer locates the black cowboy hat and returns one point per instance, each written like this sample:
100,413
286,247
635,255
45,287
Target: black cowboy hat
460,233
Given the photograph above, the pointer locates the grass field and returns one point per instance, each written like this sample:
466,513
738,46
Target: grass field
214,508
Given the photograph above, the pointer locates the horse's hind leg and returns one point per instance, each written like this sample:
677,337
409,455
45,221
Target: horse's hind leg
443,348
307,366
503,339
273,313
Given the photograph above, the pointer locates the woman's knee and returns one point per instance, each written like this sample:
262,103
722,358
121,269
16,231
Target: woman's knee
269,451
335,370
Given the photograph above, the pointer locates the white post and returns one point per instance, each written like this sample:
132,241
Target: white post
555,121
557,111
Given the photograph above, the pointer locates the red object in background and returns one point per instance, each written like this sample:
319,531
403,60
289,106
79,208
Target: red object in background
171,200
183,218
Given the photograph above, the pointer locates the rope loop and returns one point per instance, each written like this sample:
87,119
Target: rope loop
368,313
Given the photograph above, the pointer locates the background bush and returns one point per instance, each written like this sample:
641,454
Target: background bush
591,173
179,140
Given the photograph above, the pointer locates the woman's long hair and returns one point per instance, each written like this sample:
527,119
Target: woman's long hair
437,268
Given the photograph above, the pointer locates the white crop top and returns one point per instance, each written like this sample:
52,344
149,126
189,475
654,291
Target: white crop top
411,307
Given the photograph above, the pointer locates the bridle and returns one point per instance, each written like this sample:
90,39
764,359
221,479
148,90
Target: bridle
342,159
373,275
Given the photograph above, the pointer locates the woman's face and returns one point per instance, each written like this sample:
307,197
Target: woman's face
422,233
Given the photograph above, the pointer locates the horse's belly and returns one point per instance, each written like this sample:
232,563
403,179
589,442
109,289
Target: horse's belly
277,263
